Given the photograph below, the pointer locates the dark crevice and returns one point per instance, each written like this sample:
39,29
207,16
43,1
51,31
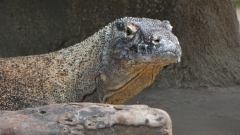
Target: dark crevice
69,120
42,112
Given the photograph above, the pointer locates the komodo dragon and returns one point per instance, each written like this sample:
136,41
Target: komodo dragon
111,66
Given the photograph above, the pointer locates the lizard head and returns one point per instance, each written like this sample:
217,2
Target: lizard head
135,50
143,41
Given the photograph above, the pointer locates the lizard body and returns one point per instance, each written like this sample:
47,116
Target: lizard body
111,66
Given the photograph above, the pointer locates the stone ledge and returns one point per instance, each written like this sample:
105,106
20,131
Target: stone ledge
86,119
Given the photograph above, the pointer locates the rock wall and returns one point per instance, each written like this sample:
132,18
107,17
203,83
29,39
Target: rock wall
207,31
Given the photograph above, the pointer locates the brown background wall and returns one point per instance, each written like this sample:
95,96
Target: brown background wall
207,31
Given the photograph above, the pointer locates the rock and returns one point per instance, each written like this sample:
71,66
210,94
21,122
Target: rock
86,119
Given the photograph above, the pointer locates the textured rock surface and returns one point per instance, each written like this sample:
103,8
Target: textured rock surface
87,119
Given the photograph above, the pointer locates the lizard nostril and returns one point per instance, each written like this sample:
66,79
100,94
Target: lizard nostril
156,41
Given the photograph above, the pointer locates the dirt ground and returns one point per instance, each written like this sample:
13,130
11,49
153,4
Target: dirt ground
209,111
206,111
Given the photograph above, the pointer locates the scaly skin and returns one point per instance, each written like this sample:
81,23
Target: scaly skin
111,66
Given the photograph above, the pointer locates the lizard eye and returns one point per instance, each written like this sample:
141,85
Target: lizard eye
130,30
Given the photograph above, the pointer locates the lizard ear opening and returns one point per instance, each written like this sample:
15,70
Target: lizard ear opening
130,30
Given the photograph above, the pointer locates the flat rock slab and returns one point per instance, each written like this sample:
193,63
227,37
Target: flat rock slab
86,119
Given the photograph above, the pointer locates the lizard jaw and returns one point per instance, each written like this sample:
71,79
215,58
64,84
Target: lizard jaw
151,53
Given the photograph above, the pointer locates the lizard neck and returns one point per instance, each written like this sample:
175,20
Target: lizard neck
76,68
120,84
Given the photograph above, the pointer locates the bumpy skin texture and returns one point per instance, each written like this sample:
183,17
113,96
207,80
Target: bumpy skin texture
111,66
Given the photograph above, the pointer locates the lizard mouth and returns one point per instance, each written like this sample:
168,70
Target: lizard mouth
161,56
171,55
149,53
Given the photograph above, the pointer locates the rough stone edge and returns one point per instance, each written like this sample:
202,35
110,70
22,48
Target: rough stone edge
81,118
